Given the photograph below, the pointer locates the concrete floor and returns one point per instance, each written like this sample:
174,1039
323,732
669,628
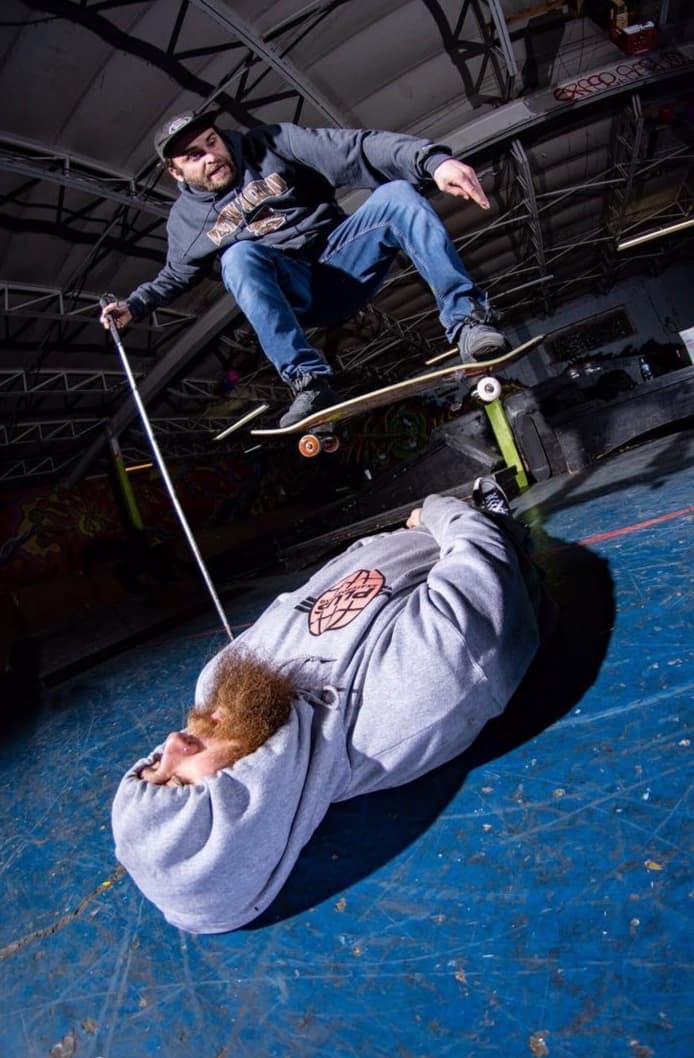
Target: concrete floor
531,898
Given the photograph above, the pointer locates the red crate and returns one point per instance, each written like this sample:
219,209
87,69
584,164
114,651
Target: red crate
636,43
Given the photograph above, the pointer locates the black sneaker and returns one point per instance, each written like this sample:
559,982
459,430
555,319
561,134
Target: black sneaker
311,393
489,497
478,341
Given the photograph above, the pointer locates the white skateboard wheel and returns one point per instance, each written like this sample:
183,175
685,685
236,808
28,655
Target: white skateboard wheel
488,389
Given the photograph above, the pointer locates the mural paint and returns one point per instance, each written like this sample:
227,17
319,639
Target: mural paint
46,531
622,73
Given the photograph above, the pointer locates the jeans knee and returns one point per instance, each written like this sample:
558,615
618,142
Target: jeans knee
243,262
397,192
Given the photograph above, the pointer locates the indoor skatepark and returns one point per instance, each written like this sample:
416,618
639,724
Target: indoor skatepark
532,896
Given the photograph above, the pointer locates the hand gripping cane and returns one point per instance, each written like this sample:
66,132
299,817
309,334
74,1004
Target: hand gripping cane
107,299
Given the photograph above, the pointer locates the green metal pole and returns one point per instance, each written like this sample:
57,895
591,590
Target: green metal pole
126,489
505,440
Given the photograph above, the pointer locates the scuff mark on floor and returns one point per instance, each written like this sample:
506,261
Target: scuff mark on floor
65,1048
38,934
538,1044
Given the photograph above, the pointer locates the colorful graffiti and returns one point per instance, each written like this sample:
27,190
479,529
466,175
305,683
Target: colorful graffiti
43,530
622,73
393,435
46,531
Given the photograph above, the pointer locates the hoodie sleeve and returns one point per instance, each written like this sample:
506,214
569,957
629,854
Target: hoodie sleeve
179,274
163,289
363,157
478,586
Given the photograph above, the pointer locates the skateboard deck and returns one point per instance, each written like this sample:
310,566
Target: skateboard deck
321,421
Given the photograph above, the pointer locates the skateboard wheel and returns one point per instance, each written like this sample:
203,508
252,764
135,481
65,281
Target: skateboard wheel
309,445
331,444
488,389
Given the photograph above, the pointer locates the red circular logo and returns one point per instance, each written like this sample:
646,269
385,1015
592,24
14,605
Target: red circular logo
340,605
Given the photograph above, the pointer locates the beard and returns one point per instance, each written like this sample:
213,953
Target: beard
250,699
218,180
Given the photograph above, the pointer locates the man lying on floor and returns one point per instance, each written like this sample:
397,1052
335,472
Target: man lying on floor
386,664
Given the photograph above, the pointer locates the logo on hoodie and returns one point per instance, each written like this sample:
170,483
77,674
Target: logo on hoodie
340,605
248,207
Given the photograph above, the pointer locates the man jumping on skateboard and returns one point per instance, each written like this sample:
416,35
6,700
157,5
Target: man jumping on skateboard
263,202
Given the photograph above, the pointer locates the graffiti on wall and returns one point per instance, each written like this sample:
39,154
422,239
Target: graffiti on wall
620,74
49,530
393,435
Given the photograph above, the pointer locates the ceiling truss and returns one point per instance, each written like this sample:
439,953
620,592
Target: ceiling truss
261,78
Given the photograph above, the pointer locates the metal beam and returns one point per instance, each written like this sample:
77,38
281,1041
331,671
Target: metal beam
499,20
16,382
626,155
40,431
390,332
224,14
23,469
521,115
184,425
79,174
525,179
31,301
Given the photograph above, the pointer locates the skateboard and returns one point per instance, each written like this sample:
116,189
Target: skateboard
316,430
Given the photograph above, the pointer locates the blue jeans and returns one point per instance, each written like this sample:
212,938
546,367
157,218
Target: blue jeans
280,294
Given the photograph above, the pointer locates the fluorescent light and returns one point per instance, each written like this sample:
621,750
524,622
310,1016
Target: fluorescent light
649,235
242,421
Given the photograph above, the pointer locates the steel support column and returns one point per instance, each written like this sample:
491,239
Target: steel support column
627,154
524,176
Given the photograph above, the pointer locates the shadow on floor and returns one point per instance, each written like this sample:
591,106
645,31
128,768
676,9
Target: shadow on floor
359,836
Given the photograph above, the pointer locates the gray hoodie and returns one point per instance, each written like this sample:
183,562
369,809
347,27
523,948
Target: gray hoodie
404,646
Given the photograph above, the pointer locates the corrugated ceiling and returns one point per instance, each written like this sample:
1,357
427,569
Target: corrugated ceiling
577,144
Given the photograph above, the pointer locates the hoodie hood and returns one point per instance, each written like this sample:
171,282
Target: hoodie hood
213,856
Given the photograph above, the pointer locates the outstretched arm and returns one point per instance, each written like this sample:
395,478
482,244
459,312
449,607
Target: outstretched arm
179,274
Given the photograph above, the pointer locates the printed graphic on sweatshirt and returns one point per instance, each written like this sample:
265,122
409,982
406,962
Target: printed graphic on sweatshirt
246,204
340,605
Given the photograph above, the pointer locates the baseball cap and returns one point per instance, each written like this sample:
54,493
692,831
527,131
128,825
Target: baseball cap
173,127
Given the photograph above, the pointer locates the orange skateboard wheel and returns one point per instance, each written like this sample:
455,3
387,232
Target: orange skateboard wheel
309,445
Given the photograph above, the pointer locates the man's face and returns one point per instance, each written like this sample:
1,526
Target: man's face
203,161
248,701
203,748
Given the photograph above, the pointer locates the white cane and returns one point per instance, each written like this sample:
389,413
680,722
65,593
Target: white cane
108,299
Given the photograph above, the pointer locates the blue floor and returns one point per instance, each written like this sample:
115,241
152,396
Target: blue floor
532,898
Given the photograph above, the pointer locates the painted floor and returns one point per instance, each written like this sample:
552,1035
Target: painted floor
534,897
